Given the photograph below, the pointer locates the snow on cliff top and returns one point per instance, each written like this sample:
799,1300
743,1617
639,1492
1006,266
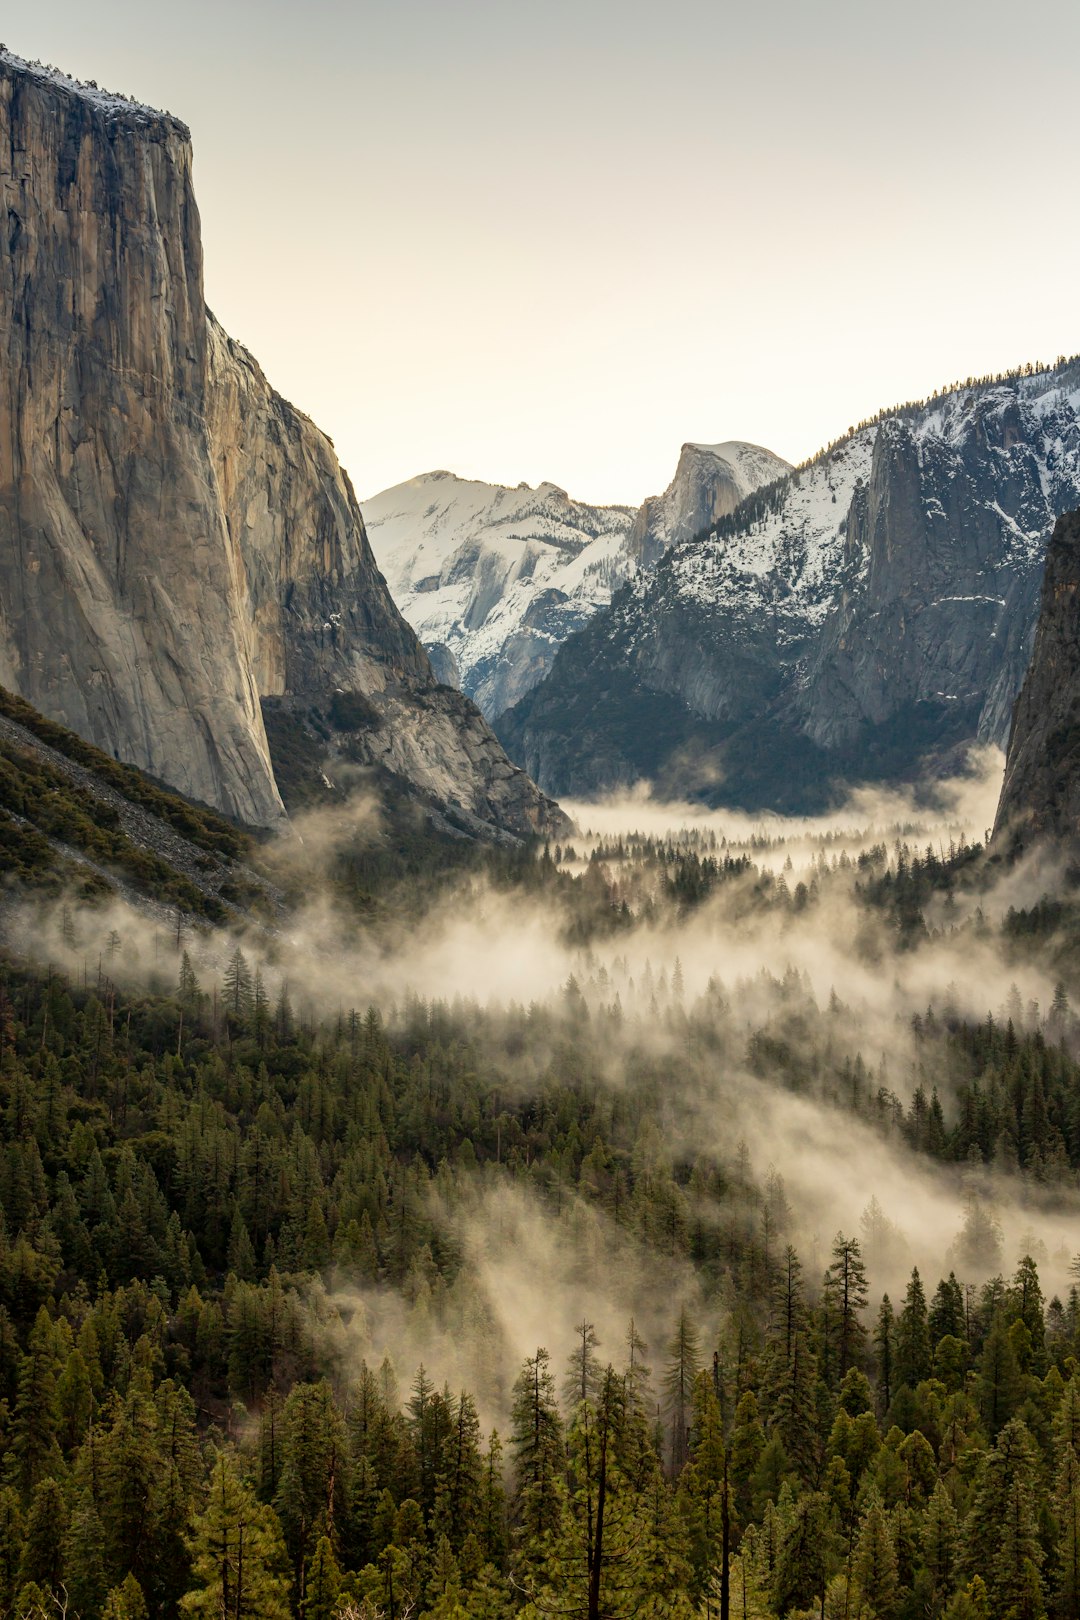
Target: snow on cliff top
752,464
111,104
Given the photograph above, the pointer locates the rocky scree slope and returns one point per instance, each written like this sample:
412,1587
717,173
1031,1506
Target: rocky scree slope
869,608
493,579
1040,796
177,543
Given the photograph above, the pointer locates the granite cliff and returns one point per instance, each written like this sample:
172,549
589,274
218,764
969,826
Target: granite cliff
1040,796
178,544
710,482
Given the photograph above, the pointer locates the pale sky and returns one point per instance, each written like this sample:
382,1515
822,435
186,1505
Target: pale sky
555,239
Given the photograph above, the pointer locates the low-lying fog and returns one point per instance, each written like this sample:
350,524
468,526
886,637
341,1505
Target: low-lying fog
685,990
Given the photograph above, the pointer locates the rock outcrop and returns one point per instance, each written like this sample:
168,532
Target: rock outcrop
869,609
1040,796
177,542
710,482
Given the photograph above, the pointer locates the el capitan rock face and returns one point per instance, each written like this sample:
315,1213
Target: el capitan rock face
870,608
1040,796
121,593
176,541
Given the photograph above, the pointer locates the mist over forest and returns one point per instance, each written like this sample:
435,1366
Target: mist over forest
724,1165
539,1042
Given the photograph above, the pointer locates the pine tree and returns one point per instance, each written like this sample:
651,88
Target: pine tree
1000,1381
310,1497
846,1293
794,1417
1002,1531
1066,1502
1025,1302
493,1530
12,1532
940,1547
177,1489
946,1315
583,1371
126,1601
239,1563
322,1582
684,1364
802,1560
615,1552
43,1554
536,1437
129,1470
240,1257
636,1374
459,1472
189,991
747,1445
885,1347
875,1562
705,1496
237,985
74,1402
913,1336
84,1562
1067,1542
33,1439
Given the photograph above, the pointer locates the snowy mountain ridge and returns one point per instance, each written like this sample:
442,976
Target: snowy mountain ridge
493,579
873,606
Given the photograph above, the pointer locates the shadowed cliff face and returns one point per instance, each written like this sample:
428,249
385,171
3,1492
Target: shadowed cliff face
1040,796
176,541
946,543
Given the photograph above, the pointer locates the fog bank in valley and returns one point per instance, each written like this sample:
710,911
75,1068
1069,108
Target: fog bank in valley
783,957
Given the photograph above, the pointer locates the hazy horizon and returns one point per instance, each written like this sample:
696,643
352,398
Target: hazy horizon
555,247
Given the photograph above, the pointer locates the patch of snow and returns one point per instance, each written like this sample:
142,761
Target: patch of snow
110,103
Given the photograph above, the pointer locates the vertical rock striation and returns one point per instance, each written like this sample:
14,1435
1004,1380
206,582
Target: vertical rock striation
121,594
177,542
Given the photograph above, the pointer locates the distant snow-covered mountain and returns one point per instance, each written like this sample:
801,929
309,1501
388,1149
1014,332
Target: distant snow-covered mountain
494,579
868,610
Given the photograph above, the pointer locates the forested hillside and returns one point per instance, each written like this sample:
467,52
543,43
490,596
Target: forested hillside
477,1310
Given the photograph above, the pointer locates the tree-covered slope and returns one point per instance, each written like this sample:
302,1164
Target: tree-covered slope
262,1307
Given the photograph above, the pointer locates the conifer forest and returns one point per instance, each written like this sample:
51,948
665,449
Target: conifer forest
484,1306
